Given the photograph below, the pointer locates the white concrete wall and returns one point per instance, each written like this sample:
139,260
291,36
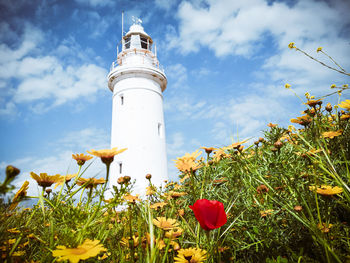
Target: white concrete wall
135,126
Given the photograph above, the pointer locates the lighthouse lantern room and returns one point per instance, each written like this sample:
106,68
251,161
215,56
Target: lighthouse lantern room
137,83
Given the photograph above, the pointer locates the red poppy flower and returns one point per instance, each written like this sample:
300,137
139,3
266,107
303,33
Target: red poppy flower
209,213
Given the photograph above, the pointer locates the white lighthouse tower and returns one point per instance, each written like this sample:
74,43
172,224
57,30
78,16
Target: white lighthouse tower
137,84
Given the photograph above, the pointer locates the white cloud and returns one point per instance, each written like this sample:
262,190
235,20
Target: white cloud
242,28
175,144
96,3
47,81
234,27
167,5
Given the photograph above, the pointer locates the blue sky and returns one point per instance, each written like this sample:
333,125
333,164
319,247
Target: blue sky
226,62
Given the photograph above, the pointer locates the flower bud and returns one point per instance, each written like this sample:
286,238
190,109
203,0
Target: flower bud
261,139
278,144
121,180
329,107
256,143
148,176
48,191
127,179
11,172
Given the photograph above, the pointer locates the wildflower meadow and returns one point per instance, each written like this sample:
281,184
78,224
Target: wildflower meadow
284,197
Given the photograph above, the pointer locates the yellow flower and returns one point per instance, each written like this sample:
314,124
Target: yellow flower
173,194
324,227
332,134
81,158
21,192
266,212
287,86
90,248
187,165
313,103
236,145
18,253
172,234
157,205
66,178
346,85
208,150
13,230
345,117
303,120
345,104
131,198
150,190
45,180
191,255
106,155
326,190
333,86
220,154
164,223
90,182
291,45
319,49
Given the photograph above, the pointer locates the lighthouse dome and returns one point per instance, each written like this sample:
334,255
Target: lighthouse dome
137,38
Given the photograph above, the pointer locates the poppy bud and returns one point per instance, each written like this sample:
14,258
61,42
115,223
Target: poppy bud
148,176
256,143
261,139
241,148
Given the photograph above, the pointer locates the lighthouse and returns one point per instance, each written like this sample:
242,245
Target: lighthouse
138,83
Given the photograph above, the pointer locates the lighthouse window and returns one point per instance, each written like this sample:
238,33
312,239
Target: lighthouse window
144,43
160,130
127,42
120,168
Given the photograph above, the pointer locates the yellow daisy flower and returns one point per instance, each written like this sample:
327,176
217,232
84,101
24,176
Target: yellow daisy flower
287,86
165,223
324,227
45,180
131,198
66,178
319,49
327,190
187,165
21,192
81,158
345,104
208,150
291,45
91,182
106,155
191,255
90,248
313,103
332,134
158,205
